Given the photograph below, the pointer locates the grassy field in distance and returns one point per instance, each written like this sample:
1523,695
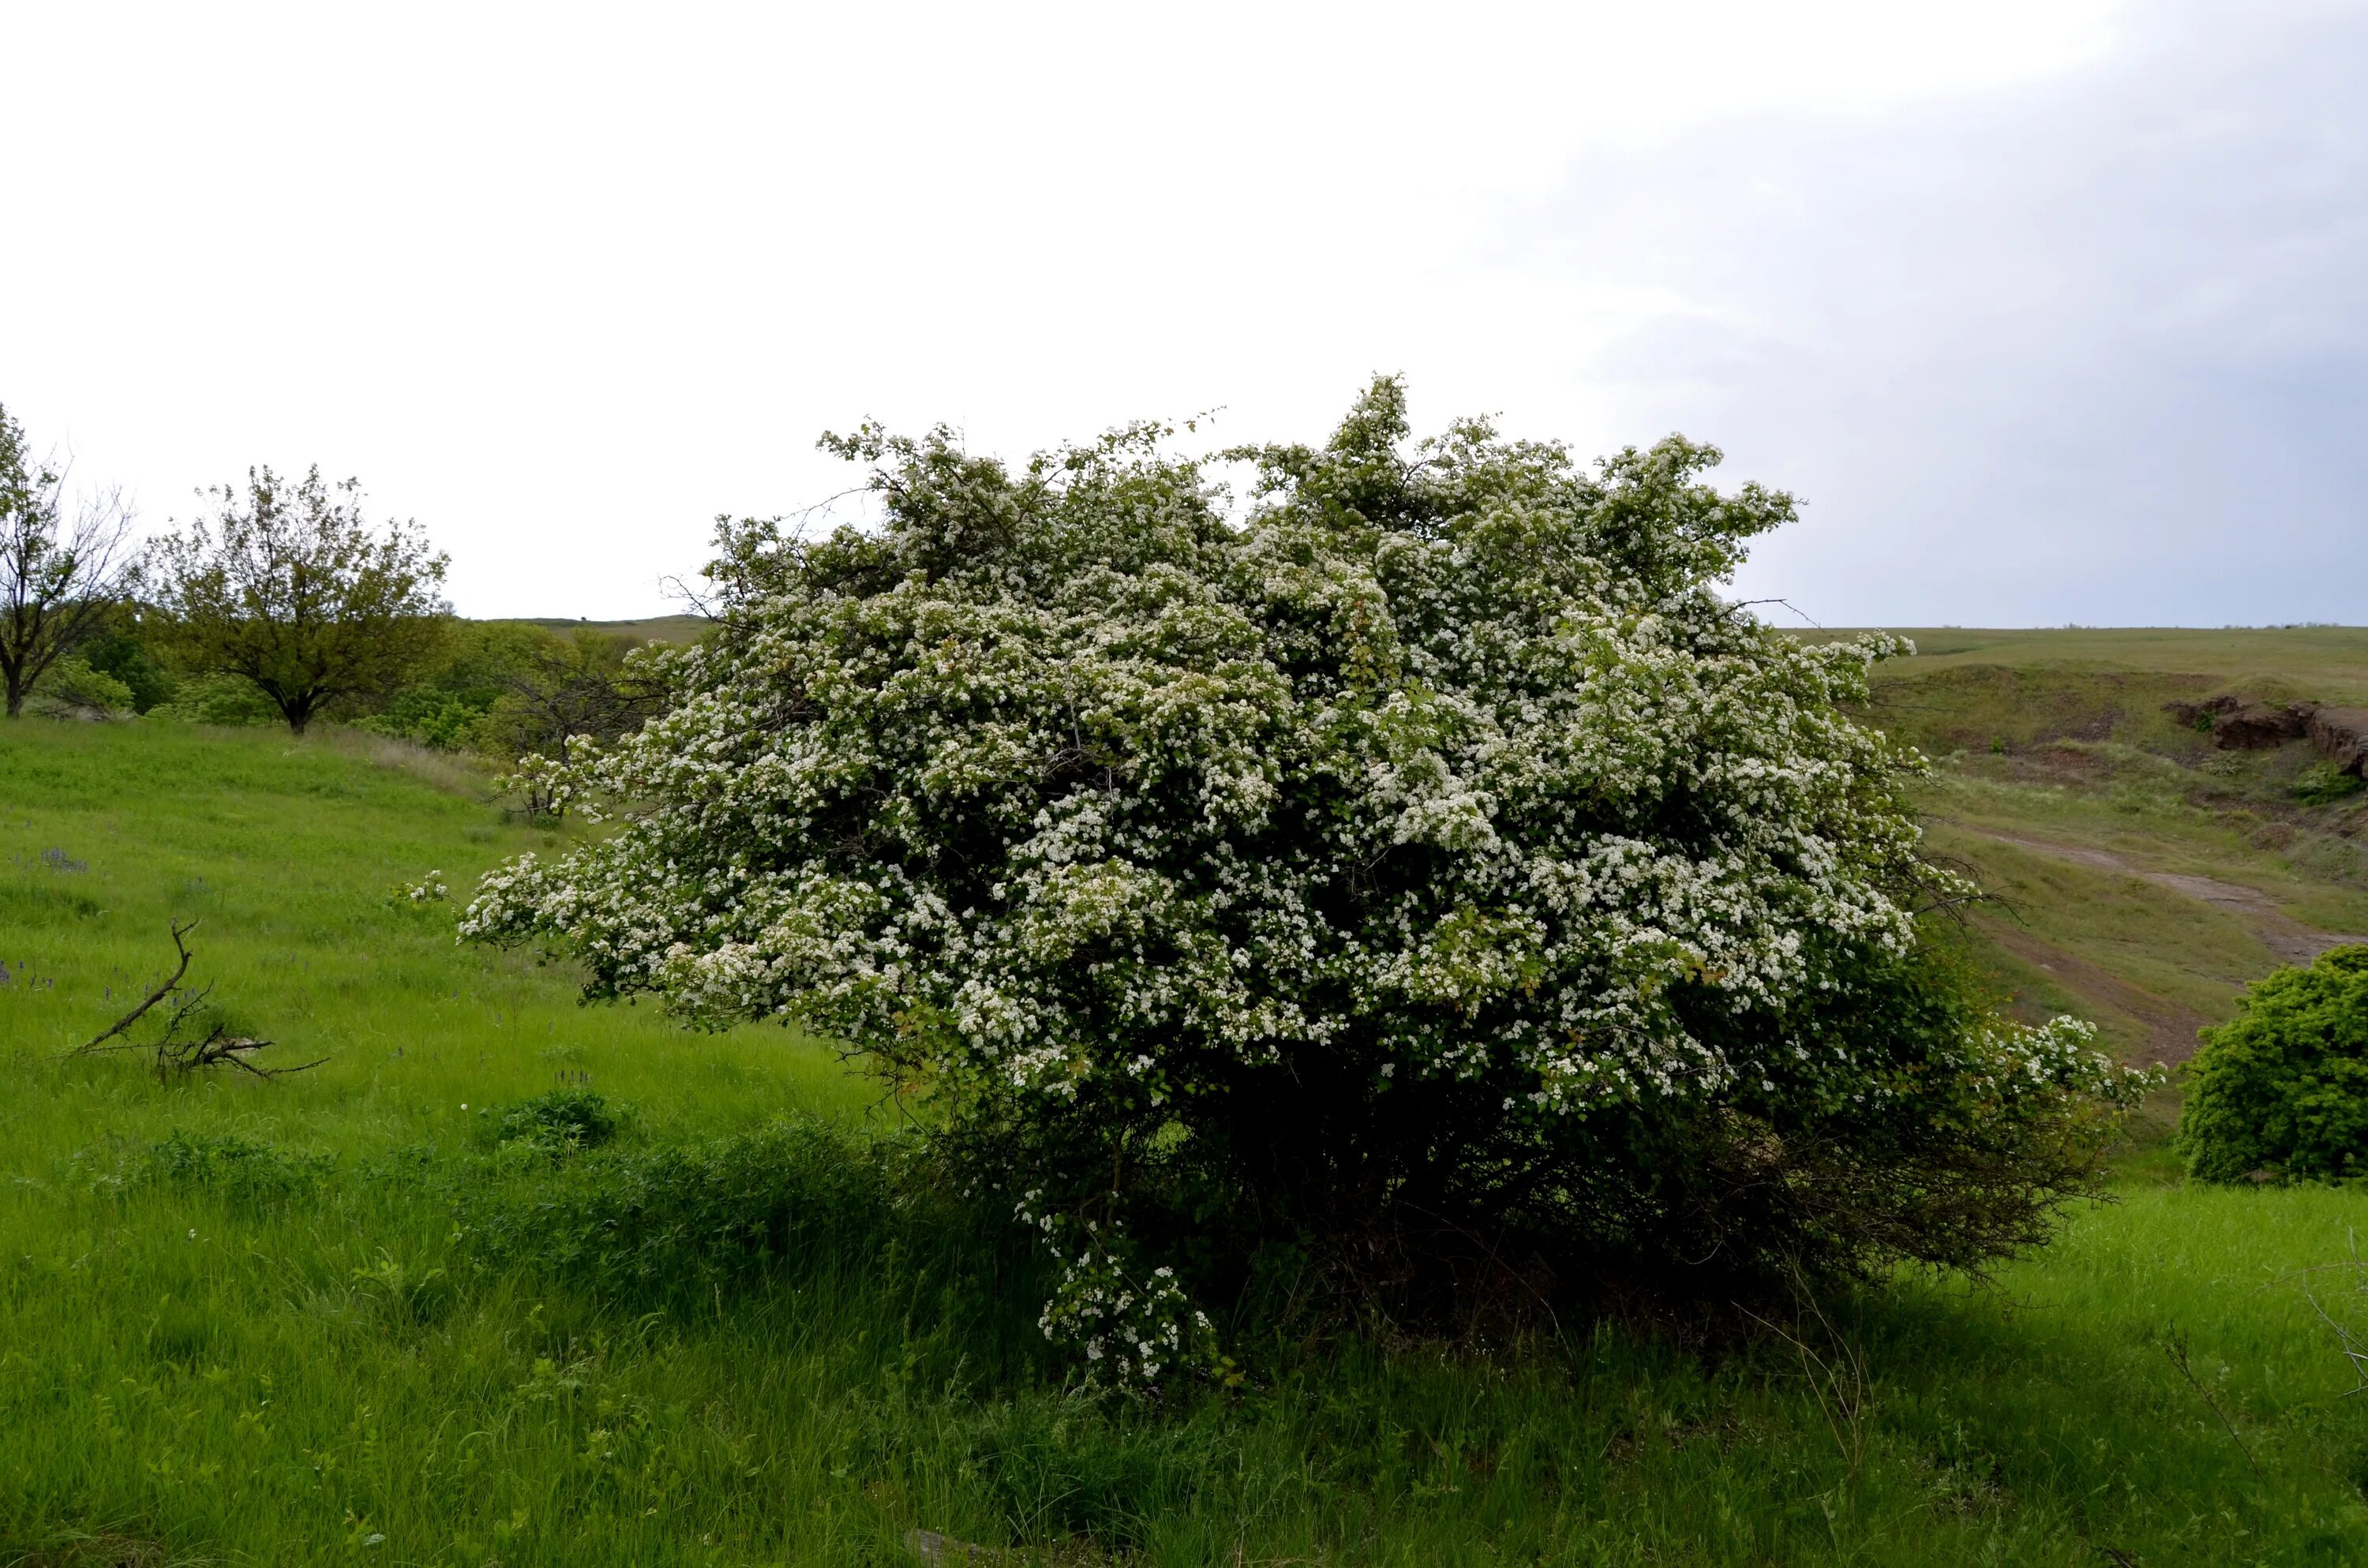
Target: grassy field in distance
337,1318
649,629
2331,662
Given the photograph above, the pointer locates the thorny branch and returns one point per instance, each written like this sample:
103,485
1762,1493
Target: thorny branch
2347,1344
2174,1349
1838,1378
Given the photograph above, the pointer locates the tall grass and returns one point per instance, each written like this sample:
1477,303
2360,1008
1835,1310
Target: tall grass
339,1317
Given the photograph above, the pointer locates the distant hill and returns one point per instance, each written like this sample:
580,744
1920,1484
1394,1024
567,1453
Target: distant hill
656,629
2328,664
2146,859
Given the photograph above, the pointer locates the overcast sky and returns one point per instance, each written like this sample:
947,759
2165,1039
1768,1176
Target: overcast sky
2048,310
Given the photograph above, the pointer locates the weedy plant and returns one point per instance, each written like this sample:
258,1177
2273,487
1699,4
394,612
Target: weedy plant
2322,784
560,1122
1430,892
244,1168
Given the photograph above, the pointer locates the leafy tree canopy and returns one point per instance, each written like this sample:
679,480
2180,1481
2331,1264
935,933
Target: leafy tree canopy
292,590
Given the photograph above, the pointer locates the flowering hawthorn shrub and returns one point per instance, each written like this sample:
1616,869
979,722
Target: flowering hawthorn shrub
1430,875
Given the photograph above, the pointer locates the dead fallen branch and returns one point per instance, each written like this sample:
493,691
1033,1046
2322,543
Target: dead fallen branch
172,985
181,1049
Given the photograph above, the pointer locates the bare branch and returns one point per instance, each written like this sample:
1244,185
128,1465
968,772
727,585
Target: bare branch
172,985
2174,1349
174,1051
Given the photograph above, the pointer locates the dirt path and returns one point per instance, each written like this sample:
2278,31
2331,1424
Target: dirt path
2279,932
2169,1027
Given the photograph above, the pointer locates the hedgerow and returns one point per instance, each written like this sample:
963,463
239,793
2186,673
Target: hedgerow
1430,880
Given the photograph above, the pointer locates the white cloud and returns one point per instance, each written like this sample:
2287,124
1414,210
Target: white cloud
2093,350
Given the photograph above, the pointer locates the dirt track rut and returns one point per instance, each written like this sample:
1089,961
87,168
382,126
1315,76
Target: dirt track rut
2279,932
2170,1027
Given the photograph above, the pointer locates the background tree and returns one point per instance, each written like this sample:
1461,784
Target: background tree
505,688
59,583
125,648
293,590
571,685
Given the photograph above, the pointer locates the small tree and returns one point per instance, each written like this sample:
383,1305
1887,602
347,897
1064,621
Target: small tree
59,582
510,689
573,684
293,590
583,688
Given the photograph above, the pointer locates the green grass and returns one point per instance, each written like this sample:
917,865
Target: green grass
334,1318
2329,663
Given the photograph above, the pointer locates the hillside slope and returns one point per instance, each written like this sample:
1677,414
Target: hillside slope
2146,863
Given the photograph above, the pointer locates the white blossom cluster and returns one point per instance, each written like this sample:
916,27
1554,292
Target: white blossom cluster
1134,1330
1469,794
1063,791
429,889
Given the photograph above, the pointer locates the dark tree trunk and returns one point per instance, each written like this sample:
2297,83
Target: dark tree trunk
296,710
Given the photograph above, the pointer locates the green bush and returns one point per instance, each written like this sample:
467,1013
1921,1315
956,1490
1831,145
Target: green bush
563,1119
444,720
2322,783
2283,1087
72,689
128,659
218,700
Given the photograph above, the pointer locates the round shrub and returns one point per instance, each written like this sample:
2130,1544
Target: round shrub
2283,1086
1429,878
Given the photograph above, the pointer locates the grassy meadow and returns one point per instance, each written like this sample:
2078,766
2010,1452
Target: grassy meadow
369,1313
2328,663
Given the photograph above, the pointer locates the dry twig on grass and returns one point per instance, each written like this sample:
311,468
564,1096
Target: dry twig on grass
179,1053
2352,1347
